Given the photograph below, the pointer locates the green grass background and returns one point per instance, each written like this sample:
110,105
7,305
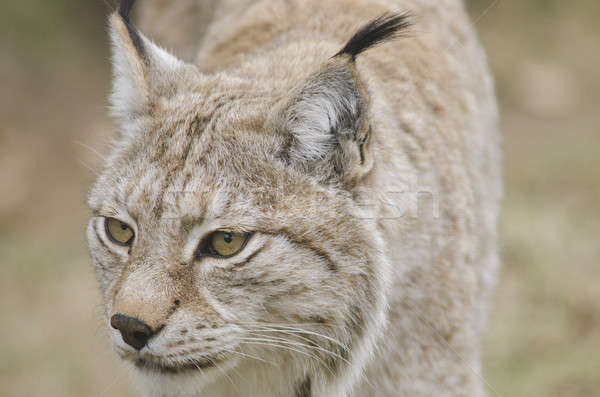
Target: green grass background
544,336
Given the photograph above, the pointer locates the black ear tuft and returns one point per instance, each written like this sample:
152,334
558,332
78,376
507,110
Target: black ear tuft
125,9
385,27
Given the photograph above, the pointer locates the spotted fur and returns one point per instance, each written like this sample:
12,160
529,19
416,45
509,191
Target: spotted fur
369,182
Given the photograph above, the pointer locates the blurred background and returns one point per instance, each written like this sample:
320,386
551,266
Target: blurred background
544,337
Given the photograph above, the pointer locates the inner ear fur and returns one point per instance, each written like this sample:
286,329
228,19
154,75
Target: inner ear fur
326,123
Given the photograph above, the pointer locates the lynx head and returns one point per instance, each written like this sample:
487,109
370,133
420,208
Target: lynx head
225,224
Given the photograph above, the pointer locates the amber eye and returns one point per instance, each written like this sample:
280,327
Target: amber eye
119,232
223,244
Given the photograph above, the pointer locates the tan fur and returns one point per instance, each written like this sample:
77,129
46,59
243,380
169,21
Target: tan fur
379,271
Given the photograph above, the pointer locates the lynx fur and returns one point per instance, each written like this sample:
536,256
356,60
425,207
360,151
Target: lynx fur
368,184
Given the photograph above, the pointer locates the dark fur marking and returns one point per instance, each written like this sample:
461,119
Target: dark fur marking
362,144
355,324
356,321
324,256
173,170
381,29
250,257
318,319
197,127
304,389
335,363
309,245
125,8
254,282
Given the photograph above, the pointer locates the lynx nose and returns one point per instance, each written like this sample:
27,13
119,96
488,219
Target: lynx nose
134,332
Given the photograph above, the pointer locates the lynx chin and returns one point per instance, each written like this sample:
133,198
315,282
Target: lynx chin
302,200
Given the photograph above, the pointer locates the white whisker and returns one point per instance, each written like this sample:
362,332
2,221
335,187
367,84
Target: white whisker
312,345
91,149
250,356
283,345
304,331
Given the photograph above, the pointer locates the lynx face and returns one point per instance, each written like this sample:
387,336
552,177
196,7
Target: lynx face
193,185
224,226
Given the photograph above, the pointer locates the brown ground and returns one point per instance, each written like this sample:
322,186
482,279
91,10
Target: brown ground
544,338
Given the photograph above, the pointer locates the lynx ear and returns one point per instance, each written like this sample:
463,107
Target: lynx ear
327,119
327,124
142,71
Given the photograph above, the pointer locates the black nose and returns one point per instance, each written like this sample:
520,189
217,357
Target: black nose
134,332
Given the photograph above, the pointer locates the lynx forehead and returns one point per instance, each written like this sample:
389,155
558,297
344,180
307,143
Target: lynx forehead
263,226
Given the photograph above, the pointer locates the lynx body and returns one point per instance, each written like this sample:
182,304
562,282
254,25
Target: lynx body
279,220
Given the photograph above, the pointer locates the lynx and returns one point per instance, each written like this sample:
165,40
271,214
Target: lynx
302,202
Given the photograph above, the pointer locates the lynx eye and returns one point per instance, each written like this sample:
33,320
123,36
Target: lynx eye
118,232
223,244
